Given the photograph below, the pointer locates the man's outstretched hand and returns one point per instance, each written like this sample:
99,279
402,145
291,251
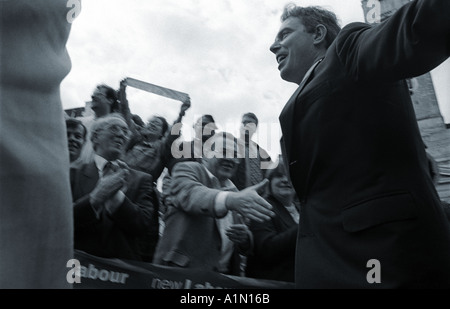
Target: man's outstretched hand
250,204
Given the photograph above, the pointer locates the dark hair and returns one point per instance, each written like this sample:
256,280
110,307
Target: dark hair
137,120
111,95
251,115
165,124
312,16
74,123
205,119
277,171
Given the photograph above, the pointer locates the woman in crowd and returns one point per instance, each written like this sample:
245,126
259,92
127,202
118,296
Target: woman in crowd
274,241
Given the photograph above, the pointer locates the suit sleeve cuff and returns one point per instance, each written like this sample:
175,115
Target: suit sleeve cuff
114,203
220,208
97,208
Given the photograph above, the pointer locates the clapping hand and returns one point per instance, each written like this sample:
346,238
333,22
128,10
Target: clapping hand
239,234
110,184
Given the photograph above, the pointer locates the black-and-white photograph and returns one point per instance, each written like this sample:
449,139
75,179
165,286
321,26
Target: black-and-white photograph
224,144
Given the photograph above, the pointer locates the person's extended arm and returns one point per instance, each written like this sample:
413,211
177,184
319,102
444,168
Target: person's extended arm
125,108
411,42
194,197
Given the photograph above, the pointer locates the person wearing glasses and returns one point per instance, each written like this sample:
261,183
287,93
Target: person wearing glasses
113,204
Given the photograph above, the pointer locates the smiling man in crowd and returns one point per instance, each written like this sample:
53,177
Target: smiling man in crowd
204,225
76,137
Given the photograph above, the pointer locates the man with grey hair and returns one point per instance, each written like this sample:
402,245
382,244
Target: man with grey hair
113,205
370,214
205,224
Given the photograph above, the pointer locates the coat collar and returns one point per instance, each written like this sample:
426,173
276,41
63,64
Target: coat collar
90,170
286,116
281,211
88,177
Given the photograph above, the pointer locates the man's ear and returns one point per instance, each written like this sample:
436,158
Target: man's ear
320,34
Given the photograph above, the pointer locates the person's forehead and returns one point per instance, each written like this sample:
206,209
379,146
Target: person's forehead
292,23
114,122
248,119
208,123
75,128
155,120
100,90
225,144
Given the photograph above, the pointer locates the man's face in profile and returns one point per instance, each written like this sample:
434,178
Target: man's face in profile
294,50
100,104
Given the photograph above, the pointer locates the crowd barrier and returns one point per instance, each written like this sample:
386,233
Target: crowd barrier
102,273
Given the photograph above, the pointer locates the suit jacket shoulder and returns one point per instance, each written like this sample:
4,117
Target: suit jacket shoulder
193,189
411,42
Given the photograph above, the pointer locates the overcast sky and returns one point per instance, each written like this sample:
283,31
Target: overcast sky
217,51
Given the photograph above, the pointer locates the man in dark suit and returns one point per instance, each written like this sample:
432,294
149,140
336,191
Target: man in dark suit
370,215
205,225
113,204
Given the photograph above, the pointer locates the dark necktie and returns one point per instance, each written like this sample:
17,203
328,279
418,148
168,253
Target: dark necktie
109,168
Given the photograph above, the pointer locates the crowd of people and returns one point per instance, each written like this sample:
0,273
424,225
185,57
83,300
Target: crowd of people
224,205
219,207
353,184
228,214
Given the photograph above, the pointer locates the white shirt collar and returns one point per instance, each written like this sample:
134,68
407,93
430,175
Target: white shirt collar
100,162
311,69
228,183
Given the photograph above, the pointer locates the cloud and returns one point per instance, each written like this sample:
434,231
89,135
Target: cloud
216,51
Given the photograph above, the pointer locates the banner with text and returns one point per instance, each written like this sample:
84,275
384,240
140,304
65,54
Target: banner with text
101,273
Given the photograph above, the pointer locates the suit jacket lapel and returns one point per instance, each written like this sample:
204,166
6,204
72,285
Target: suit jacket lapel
282,212
286,117
285,216
90,173
287,121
